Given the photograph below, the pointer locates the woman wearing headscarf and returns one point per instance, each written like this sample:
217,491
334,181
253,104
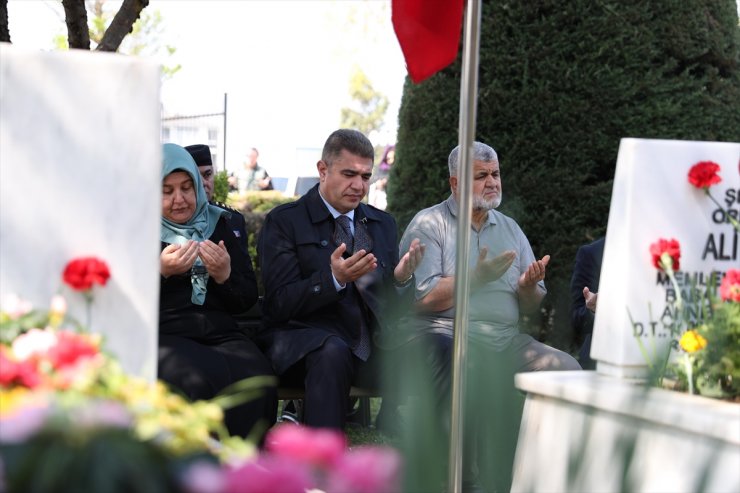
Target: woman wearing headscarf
205,280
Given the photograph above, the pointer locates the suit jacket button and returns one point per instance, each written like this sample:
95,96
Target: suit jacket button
316,288
324,243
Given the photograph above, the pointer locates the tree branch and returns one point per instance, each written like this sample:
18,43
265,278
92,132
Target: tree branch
4,31
122,24
76,19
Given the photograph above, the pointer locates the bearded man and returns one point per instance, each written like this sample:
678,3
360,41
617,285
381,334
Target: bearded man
506,280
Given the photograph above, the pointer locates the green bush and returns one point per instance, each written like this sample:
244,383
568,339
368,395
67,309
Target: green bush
221,186
560,83
265,201
254,206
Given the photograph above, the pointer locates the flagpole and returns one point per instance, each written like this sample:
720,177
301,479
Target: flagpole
467,125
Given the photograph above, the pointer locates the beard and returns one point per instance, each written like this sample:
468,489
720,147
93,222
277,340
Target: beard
481,204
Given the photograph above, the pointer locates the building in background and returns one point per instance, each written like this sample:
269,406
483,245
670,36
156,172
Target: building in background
206,128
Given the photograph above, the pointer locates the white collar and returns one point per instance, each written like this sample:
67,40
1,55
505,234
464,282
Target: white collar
335,213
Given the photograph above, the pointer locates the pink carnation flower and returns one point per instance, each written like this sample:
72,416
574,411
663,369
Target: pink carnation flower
729,290
367,470
103,412
318,447
269,474
203,477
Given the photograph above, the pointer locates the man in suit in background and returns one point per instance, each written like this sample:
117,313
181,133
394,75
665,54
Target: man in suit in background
584,287
328,262
201,154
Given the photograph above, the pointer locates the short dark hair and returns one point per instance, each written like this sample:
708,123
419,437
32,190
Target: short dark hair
347,139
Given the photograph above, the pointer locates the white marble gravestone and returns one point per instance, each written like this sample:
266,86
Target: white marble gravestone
652,199
80,164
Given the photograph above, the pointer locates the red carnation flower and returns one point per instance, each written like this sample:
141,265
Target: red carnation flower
24,373
729,290
70,348
666,253
82,273
704,174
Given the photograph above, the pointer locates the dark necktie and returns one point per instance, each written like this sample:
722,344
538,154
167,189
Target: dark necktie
361,240
343,233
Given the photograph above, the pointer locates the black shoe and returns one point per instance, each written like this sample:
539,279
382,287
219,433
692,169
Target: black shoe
354,415
292,412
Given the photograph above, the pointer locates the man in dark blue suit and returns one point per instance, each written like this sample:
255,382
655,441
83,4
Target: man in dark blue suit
331,274
584,287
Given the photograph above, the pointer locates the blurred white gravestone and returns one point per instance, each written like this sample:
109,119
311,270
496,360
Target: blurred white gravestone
653,199
80,164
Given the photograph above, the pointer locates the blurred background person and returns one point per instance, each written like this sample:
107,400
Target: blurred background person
389,157
584,287
376,194
253,176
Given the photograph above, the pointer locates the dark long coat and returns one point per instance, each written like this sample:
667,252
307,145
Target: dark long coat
301,304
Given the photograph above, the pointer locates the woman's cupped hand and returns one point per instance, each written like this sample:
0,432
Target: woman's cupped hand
178,259
216,259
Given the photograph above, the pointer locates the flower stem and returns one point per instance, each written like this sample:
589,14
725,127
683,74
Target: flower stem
88,311
733,221
689,372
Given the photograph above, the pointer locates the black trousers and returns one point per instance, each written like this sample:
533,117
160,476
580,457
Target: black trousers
201,371
327,374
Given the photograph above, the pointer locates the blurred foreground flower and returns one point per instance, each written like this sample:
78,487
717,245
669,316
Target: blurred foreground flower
72,420
81,274
298,459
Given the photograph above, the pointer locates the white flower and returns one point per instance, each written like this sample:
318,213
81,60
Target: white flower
15,306
35,341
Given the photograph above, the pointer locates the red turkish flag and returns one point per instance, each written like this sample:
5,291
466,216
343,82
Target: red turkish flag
429,34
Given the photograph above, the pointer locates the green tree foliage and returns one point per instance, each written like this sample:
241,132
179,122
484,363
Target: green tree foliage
560,83
368,106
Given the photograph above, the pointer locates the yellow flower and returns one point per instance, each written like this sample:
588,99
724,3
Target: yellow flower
691,341
18,398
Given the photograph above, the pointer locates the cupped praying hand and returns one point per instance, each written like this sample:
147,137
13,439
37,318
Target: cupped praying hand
352,268
534,273
409,262
216,259
178,259
489,270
